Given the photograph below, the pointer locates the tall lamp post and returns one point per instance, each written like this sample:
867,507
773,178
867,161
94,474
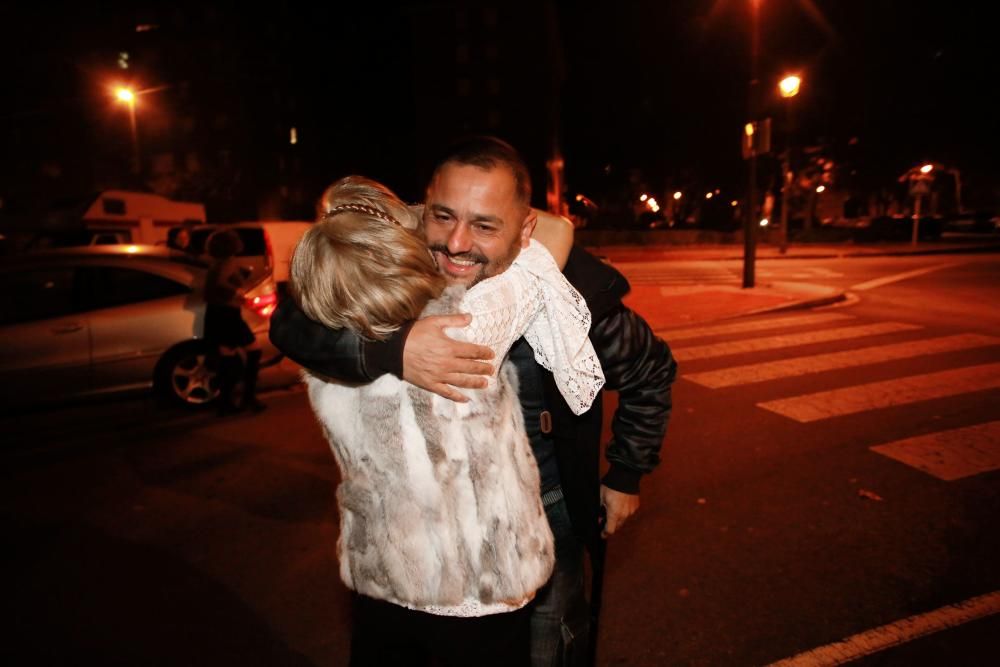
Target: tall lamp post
750,222
788,87
127,96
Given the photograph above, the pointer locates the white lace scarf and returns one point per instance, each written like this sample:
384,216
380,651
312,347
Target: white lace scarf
532,298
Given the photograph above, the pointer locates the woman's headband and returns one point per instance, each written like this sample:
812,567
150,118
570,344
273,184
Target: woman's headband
365,209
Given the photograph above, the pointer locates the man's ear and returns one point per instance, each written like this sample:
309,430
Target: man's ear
528,227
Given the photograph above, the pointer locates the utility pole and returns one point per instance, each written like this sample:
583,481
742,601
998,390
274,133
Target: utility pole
750,222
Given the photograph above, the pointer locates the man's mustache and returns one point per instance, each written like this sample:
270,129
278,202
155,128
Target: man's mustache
463,256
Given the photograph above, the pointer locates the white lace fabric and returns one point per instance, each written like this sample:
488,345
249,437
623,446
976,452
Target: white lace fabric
532,298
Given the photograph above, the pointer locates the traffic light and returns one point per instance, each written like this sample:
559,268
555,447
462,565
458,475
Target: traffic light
756,138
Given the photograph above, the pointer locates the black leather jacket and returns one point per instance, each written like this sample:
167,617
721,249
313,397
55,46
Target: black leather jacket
636,364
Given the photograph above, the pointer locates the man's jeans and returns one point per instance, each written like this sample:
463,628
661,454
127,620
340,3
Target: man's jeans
560,619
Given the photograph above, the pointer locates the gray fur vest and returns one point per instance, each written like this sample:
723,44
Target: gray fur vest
439,501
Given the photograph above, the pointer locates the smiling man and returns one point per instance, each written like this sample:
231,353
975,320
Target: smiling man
476,219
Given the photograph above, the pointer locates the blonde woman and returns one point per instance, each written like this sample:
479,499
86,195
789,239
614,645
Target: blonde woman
440,512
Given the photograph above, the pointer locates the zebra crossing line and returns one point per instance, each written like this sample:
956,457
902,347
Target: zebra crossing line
802,272
674,335
658,273
712,273
951,454
750,373
789,340
886,394
947,455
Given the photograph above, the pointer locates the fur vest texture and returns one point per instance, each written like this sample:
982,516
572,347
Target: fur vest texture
439,501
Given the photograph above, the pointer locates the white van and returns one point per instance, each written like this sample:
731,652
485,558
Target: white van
120,216
267,245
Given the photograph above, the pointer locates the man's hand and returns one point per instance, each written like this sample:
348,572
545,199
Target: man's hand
619,507
435,362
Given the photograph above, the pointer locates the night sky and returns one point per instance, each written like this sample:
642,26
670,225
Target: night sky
655,88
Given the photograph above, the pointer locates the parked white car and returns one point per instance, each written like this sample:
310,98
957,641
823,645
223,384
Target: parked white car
79,322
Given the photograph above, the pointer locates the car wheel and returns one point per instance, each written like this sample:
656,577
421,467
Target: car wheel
189,375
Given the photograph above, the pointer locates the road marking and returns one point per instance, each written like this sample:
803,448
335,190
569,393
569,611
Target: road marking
949,455
879,282
875,395
789,340
896,634
773,370
801,272
671,335
658,274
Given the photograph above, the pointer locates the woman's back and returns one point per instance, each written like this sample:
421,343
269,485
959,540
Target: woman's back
440,505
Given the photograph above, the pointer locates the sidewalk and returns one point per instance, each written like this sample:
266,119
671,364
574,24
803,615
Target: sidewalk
690,299
958,245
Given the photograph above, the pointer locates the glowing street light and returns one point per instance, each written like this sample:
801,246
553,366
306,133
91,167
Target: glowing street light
926,169
821,189
643,197
125,95
678,195
789,86
708,195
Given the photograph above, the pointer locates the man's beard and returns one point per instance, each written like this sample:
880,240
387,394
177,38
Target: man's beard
463,257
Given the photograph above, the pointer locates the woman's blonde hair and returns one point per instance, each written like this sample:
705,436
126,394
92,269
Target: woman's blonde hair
363,266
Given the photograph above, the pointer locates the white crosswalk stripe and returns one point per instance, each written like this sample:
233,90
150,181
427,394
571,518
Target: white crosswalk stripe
674,335
805,272
773,370
790,340
886,394
658,273
951,454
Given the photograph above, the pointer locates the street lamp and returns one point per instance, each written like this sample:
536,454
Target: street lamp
749,226
788,87
919,179
127,96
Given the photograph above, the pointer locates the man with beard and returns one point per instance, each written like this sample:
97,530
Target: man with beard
477,203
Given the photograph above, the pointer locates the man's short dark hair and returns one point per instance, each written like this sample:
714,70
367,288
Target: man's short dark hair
488,152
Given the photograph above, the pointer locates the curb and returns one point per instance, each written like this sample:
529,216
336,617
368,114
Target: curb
805,304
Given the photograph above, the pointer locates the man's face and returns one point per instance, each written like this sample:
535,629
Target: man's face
474,223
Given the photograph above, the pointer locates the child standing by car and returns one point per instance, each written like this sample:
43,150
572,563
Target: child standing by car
225,329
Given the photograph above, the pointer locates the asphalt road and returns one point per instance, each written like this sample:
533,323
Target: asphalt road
771,528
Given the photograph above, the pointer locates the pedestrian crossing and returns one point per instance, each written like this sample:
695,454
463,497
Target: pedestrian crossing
951,454
948,455
713,273
817,363
791,340
680,273
875,395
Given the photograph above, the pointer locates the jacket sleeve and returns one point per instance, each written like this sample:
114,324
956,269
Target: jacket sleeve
640,367
336,353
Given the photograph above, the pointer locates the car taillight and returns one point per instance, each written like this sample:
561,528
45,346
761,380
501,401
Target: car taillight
263,305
